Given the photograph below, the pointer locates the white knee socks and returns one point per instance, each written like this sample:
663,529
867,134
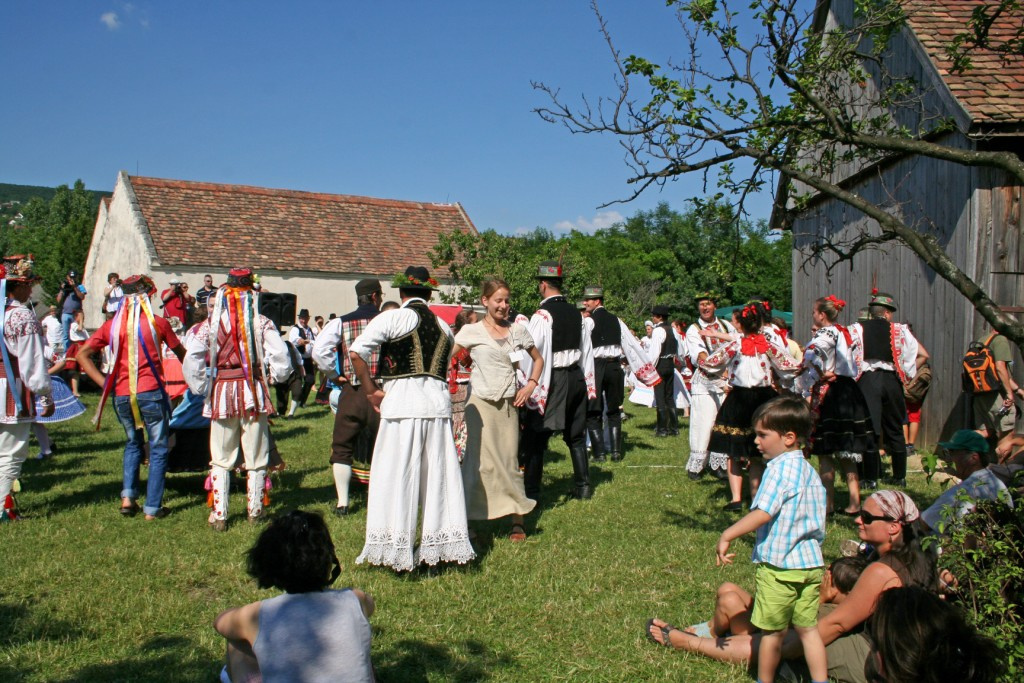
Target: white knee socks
342,475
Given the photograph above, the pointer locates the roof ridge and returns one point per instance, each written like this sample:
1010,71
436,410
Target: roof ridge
281,192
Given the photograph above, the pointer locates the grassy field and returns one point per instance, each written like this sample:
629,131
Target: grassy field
87,595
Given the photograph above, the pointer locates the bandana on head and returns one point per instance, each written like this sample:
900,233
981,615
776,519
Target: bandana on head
896,505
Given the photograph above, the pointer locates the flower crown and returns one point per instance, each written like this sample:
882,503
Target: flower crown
402,280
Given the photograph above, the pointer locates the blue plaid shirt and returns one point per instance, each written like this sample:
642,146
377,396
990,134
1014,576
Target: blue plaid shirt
792,493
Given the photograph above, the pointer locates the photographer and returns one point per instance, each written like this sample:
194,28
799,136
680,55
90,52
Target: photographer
177,302
69,298
112,295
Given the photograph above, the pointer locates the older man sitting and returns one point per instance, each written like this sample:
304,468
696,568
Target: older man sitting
968,451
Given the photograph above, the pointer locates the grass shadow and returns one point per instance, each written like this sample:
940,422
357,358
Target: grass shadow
162,658
22,625
703,522
416,661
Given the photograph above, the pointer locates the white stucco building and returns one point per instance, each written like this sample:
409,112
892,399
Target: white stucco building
316,246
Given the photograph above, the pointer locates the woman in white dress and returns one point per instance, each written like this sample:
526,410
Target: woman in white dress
490,471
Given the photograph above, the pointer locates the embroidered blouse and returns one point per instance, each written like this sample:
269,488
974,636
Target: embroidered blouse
750,361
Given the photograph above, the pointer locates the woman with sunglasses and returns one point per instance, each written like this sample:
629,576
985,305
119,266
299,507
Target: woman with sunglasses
309,633
887,521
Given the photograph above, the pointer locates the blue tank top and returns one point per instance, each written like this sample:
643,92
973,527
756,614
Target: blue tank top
313,638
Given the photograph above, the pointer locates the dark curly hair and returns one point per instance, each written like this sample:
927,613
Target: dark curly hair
294,553
921,638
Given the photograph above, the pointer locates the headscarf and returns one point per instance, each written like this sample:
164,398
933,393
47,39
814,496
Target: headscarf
896,505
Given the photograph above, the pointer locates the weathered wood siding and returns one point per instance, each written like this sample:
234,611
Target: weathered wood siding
940,198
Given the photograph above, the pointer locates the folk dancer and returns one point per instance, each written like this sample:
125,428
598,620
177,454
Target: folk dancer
559,403
611,341
751,360
891,356
842,420
22,374
707,391
135,337
661,352
224,362
355,421
414,459
302,337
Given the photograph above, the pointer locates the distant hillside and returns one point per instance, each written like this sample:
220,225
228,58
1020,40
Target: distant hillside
23,193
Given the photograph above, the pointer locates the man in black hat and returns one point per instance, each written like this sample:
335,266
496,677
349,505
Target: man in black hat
662,352
706,391
414,458
612,341
355,422
891,357
559,403
302,338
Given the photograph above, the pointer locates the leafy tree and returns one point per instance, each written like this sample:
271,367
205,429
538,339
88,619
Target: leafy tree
658,256
57,233
783,100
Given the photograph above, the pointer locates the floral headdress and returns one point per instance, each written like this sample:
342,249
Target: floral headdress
414,277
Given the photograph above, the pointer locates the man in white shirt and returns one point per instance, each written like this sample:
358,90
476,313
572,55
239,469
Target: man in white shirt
302,337
706,392
662,352
414,458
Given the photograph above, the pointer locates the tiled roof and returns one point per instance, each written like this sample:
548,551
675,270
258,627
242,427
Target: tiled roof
992,91
209,225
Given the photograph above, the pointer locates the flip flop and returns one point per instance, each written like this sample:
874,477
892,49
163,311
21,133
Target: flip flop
665,631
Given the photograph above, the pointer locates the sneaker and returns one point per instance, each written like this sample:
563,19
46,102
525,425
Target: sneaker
341,511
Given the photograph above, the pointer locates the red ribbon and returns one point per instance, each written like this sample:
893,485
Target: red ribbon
846,334
753,344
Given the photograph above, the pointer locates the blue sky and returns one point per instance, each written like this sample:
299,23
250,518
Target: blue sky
405,100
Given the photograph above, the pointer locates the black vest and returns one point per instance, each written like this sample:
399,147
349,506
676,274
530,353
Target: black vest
424,351
566,324
606,329
669,346
878,340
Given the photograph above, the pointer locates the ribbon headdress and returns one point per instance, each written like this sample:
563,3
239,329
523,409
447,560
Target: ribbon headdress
134,315
236,309
16,270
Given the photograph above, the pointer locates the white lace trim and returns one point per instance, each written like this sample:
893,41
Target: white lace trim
697,461
388,548
719,461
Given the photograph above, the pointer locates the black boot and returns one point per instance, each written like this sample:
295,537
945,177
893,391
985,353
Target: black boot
661,430
671,420
615,432
596,443
581,472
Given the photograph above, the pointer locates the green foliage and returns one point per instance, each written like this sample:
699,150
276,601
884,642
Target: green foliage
654,257
985,552
57,233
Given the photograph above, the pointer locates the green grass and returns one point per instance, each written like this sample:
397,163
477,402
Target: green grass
87,595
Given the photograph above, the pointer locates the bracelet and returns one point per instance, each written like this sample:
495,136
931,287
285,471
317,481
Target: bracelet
533,380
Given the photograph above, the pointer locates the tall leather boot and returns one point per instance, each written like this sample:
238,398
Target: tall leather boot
534,446
581,472
661,429
671,420
596,443
615,432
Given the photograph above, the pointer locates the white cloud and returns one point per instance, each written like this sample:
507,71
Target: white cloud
601,220
111,20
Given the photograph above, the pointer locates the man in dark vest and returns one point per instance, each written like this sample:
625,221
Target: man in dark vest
559,403
890,359
662,352
356,422
414,458
612,341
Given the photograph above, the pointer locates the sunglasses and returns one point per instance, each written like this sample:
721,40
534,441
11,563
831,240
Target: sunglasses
868,518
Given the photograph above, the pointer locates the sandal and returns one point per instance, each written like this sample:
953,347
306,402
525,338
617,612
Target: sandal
666,641
518,533
130,510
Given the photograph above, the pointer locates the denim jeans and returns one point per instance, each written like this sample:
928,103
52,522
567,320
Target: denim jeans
65,326
155,417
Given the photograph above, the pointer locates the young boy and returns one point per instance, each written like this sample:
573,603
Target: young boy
788,514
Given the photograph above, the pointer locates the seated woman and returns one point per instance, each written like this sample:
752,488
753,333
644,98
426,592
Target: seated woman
309,633
733,604
919,638
887,522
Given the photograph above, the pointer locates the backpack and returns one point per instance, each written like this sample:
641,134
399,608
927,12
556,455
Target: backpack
916,389
979,373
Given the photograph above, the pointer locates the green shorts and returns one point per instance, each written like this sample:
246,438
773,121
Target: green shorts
785,596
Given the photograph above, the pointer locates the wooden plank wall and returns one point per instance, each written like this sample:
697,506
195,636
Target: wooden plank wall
940,198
